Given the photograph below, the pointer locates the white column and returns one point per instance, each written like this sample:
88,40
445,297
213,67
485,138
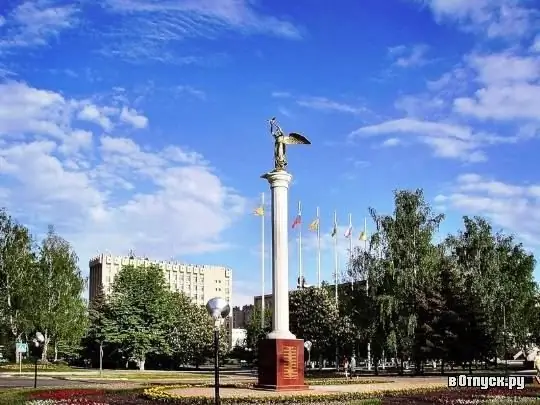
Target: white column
279,186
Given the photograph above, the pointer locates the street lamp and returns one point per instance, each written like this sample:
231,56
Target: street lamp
218,309
308,345
36,351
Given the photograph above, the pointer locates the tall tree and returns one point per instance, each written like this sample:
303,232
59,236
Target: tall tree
404,243
16,264
58,307
140,312
191,337
314,316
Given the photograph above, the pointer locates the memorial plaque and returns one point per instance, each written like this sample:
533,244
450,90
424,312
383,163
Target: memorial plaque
290,366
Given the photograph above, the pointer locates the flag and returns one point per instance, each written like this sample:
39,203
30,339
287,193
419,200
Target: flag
363,236
297,221
334,230
314,226
259,211
348,232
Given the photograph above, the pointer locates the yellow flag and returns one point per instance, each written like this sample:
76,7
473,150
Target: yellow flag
314,226
363,236
259,211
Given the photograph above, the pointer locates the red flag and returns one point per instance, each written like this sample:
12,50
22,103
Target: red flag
297,221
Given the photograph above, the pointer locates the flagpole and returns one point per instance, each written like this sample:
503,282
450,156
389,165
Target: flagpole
262,263
300,246
336,264
335,259
350,249
318,250
367,289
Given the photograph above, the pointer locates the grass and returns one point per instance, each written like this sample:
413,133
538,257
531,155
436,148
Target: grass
13,396
114,375
42,367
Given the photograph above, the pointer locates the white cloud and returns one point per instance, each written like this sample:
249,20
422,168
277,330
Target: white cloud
90,187
325,104
91,113
150,25
281,94
35,22
514,207
505,19
535,47
510,88
192,91
446,140
406,57
132,117
391,142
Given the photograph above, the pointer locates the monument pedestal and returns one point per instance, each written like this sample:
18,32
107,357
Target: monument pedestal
281,365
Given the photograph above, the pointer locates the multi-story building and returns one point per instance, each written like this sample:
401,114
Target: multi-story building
199,282
241,316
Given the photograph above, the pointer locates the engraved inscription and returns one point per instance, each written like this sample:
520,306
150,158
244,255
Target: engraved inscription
290,357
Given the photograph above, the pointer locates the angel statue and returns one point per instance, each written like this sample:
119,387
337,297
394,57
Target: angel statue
280,144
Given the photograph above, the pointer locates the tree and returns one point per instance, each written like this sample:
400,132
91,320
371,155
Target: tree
314,316
57,305
16,264
405,254
98,324
254,330
191,336
139,312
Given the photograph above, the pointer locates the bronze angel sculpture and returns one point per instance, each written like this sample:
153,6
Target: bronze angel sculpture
280,144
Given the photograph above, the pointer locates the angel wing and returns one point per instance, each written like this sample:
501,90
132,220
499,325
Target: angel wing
296,139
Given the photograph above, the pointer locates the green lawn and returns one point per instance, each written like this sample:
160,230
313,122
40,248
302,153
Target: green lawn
26,367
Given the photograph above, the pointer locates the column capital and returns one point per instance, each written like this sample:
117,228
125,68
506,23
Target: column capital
278,178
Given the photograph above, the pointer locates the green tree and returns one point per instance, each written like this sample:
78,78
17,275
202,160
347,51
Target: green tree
255,331
17,261
192,333
314,316
95,340
405,256
57,304
139,315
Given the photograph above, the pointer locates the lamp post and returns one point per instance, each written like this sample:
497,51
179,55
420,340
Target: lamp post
308,345
218,309
36,350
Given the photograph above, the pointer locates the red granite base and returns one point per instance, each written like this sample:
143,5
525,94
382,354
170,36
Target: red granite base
281,365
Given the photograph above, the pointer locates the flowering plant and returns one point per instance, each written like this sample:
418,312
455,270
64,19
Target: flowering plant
65,394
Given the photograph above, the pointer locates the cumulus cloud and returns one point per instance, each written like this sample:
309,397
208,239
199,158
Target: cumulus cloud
35,22
454,115
89,186
502,19
513,207
509,88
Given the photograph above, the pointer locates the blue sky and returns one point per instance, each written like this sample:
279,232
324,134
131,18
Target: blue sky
141,124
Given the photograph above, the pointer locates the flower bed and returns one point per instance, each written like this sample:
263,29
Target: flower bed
344,381
159,395
529,395
164,394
